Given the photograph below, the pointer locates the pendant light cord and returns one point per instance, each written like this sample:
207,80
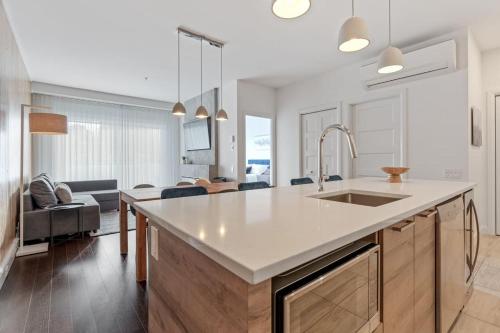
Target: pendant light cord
201,70
221,76
178,67
352,4
390,37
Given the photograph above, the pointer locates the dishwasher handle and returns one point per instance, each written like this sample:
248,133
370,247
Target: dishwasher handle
476,252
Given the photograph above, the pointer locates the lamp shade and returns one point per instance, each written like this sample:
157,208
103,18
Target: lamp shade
48,123
391,60
289,9
353,35
179,109
201,112
221,115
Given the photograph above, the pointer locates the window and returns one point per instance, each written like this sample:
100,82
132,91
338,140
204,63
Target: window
108,141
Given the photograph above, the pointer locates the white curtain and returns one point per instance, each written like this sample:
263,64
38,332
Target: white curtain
134,145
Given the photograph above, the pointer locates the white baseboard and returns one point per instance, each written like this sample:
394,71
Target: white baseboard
8,260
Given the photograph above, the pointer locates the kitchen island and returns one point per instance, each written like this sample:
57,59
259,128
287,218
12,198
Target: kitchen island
212,258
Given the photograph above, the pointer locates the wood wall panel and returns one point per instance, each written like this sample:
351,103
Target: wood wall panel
190,292
15,89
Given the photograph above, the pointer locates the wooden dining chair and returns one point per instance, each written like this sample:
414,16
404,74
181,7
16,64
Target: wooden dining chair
252,186
301,181
180,192
132,209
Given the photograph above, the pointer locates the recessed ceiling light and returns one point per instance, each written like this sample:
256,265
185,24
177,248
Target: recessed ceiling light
289,9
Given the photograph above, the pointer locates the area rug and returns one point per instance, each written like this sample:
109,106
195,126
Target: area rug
110,223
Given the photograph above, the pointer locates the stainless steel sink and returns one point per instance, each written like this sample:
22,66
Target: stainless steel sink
372,199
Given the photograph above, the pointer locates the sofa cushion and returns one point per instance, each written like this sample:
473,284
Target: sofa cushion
105,195
63,193
92,185
42,192
87,199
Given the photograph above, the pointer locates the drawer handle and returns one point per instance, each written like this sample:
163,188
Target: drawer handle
402,227
428,213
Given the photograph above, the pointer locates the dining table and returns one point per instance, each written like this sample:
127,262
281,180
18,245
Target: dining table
131,196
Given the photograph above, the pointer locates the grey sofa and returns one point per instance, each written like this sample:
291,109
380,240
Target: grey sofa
105,192
96,195
64,222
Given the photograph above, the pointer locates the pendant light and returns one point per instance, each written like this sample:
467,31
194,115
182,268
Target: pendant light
289,9
353,35
221,115
391,59
201,112
178,109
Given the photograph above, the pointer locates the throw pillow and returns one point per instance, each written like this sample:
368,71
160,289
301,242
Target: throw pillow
42,192
63,193
48,179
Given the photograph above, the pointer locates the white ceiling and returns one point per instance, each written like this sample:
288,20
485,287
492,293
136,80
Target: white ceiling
113,45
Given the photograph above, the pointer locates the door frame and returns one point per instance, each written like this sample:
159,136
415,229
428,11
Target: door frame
274,176
314,109
347,106
491,128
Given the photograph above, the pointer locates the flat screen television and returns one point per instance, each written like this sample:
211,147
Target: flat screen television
197,134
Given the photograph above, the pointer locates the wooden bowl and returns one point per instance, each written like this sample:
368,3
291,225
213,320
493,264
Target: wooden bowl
395,173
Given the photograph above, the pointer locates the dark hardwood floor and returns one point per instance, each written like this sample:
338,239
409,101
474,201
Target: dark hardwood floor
78,286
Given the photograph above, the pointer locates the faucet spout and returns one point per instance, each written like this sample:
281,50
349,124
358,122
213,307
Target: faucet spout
352,148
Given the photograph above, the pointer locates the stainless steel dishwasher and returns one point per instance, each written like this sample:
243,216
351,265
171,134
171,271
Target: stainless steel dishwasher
451,279
338,292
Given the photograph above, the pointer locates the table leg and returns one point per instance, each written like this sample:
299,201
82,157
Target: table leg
140,252
123,227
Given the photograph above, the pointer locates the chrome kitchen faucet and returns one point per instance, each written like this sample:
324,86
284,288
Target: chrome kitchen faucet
352,148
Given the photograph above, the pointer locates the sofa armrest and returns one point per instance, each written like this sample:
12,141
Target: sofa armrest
92,185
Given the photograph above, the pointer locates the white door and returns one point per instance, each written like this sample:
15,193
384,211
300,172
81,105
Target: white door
377,130
312,125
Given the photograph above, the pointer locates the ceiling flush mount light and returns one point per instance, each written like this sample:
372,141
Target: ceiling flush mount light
178,109
201,112
221,115
353,35
391,59
289,9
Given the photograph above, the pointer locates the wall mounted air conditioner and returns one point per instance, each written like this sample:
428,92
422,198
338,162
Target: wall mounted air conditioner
433,60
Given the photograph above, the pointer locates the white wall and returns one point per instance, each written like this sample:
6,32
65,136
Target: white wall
228,158
437,135
241,98
478,158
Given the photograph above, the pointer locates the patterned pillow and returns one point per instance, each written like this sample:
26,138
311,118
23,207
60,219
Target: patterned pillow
42,192
63,193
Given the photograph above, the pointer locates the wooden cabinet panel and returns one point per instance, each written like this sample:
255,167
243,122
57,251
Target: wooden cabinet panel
409,275
398,251
192,293
425,272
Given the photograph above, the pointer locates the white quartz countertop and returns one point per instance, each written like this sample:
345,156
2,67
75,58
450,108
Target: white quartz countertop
261,233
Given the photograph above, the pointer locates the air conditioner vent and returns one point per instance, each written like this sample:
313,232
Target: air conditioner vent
430,61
